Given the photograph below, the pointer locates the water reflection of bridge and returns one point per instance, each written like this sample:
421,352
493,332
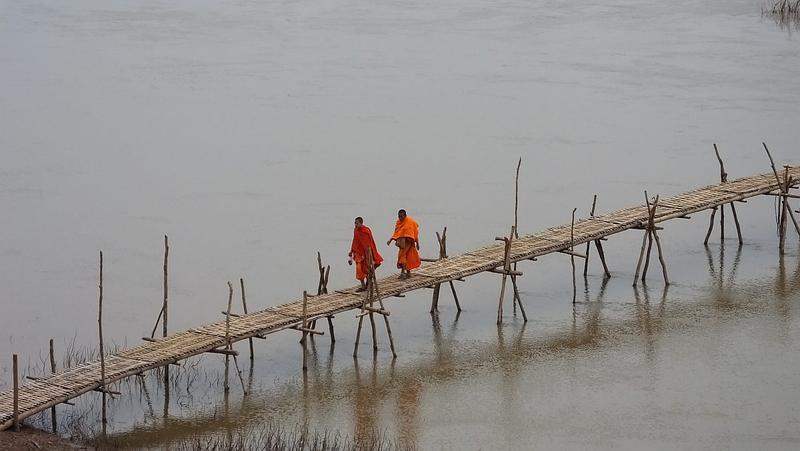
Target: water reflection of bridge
367,388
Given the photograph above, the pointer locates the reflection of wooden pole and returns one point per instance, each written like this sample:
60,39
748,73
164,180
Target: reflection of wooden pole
53,371
102,350
244,307
16,392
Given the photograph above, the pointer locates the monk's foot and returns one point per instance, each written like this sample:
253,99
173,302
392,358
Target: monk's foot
360,289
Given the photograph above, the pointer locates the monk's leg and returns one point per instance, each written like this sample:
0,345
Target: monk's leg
361,275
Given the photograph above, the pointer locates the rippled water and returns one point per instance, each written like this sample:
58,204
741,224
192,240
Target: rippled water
253,132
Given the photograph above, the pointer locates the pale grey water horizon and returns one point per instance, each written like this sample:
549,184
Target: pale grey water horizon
253,132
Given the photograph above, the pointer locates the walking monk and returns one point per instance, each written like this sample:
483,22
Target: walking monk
363,241
406,238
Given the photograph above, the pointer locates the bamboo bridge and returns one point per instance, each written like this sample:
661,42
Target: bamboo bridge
301,315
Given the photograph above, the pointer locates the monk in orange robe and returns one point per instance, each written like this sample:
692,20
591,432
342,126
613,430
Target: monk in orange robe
363,242
406,238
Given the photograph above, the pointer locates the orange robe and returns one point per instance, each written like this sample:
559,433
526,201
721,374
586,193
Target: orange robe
407,255
362,241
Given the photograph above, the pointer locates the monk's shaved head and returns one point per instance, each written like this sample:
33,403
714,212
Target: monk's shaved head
359,220
401,213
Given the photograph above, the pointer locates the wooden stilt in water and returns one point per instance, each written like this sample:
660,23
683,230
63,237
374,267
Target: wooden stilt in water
226,386
372,293
588,244
602,254
330,328
736,221
104,418
572,255
305,334
505,272
784,212
649,240
651,234
53,371
710,225
244,308
442,240
15,370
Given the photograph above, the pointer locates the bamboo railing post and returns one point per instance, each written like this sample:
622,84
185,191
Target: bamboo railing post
104,419
15,370
244,308
588,244
572,255
53,371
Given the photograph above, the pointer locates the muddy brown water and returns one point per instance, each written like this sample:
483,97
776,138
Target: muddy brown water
252,133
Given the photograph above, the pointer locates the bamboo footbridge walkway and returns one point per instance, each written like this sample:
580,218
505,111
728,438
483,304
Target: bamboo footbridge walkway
43,393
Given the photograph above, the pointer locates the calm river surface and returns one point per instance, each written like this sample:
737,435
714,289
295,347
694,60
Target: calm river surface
252,133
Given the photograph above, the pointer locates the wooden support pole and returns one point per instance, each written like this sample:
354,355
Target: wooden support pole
649,233
506,271
784,213
455,296
518,299
166,305
599,245
586,261
736,221
572,256
710,225
380,302
772,164
15,370
330,328
104,418
53,371
227,386
723,178
244,308
305,334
